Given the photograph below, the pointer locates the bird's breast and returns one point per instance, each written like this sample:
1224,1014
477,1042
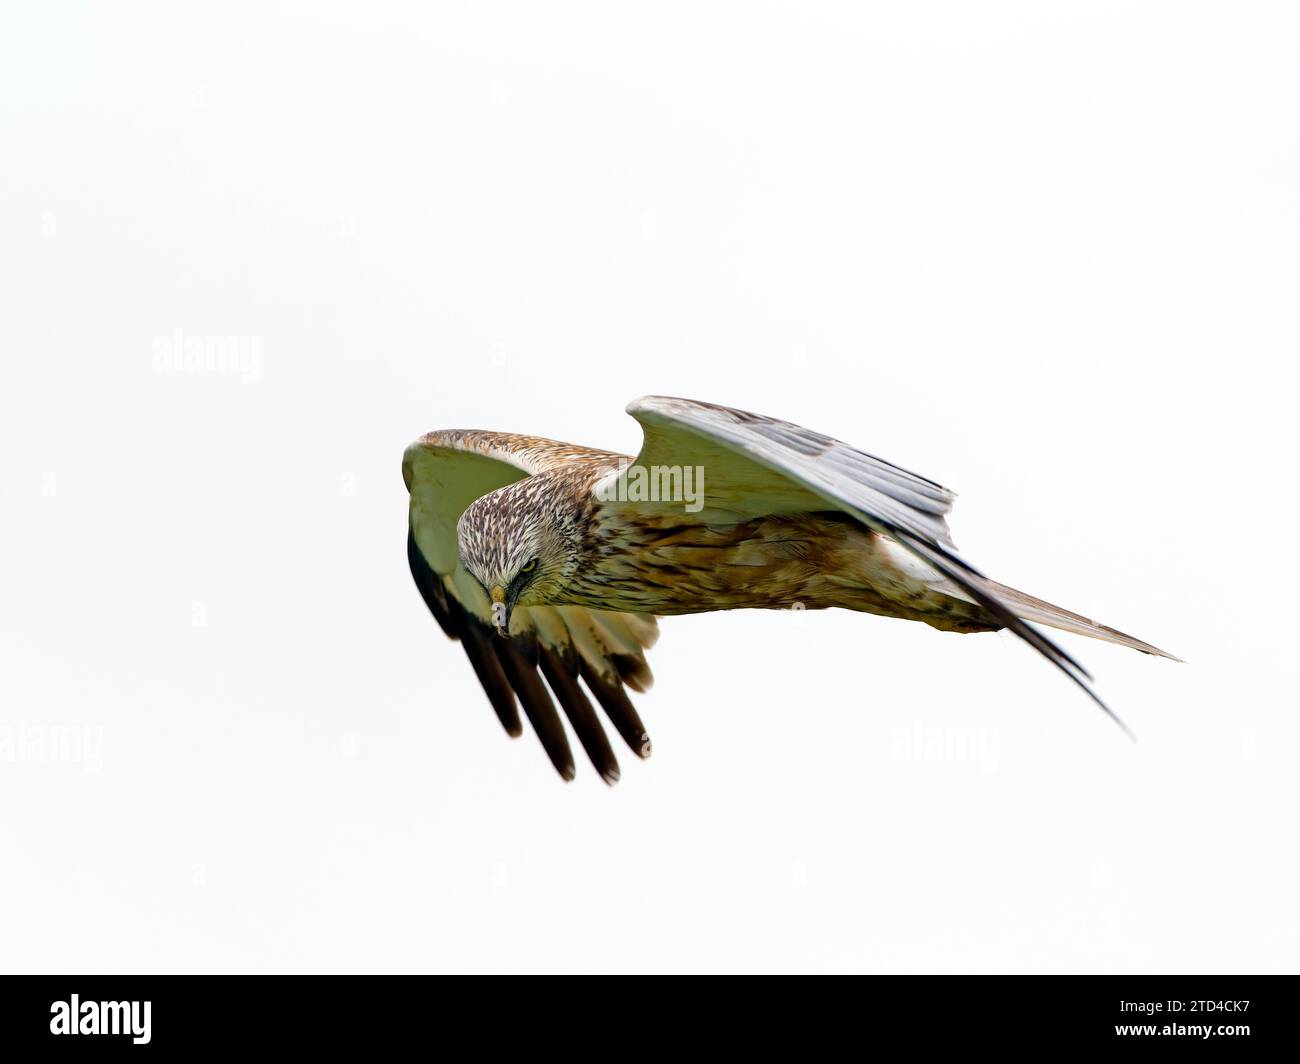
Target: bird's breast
655,564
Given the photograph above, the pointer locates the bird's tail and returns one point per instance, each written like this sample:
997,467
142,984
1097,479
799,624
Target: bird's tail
1036,610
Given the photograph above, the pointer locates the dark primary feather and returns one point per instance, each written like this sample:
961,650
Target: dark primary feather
561,672
618,707
508,668
473,636
481,649
518,659
430,587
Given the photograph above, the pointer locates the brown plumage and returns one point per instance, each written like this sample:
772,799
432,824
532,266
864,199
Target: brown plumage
568,553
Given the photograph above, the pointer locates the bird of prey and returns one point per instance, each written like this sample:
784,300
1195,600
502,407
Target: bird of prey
540,555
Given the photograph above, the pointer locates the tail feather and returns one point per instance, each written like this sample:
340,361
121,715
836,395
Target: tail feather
1033,609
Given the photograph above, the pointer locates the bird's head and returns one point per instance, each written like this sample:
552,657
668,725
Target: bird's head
520,543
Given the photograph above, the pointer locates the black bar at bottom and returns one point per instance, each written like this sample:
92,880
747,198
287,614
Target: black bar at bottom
1223,1014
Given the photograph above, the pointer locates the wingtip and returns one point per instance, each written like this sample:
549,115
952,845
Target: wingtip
1110,712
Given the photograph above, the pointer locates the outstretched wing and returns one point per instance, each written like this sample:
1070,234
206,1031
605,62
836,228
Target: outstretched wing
576,650
758,465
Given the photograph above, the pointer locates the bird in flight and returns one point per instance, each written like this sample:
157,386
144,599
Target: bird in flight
550,562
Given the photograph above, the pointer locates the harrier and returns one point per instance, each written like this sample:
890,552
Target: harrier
548,560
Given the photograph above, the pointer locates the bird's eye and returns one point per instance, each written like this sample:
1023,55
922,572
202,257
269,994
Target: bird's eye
529,567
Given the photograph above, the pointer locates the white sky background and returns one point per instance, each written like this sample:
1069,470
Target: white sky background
1046,255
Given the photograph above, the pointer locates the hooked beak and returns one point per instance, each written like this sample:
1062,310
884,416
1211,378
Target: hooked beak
500,611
